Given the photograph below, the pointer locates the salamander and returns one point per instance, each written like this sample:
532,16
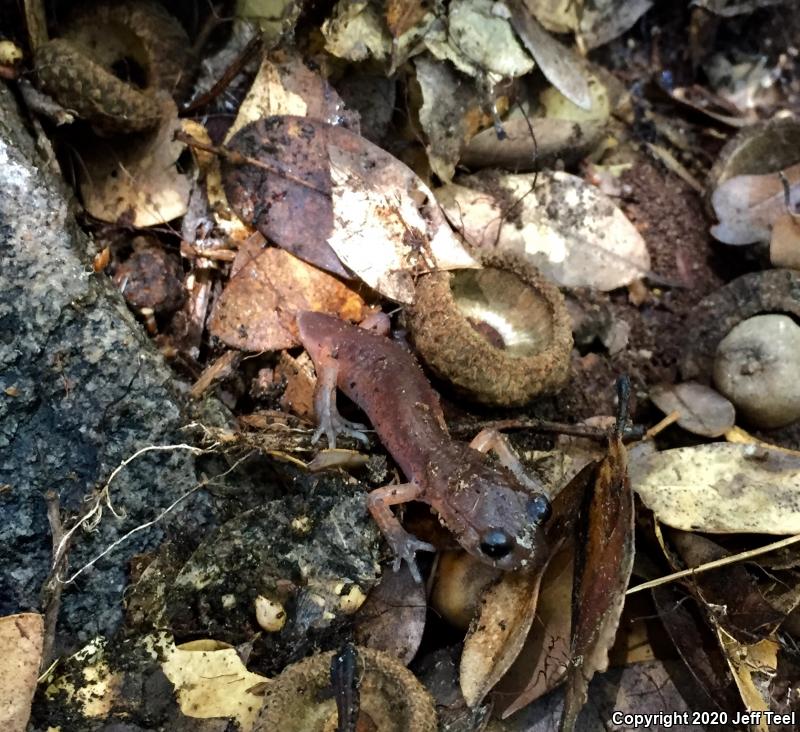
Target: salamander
494,510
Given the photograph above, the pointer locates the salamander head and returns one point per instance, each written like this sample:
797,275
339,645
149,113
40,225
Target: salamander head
494,518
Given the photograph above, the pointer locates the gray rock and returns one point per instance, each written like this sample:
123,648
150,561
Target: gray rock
81,389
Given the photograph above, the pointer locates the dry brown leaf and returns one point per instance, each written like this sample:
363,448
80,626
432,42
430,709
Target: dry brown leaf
498,632
784,244
393,617
703,410
403,15
567,228
298,396
21,639
748,206
721,488
603,568
321,191
542,663
257,308
137,179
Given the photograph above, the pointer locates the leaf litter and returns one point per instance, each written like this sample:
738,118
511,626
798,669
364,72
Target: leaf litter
315,217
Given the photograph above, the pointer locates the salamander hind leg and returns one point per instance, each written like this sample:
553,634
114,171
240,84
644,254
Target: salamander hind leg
329,422
404,545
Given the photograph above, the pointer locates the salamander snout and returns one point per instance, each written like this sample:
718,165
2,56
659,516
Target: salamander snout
496,543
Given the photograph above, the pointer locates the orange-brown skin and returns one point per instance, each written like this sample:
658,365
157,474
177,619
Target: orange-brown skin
473,497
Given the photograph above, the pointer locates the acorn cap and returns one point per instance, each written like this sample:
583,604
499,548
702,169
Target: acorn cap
300,699
501,334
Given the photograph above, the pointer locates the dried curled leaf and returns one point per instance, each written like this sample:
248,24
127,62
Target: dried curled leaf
568,229
498,633
139,180
721,488
320,191
603,569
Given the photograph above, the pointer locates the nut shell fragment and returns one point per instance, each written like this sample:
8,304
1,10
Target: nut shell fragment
299,699
500,334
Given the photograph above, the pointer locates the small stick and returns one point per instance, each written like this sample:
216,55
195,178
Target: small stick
51,590
543,425
725,561
671,418
230,73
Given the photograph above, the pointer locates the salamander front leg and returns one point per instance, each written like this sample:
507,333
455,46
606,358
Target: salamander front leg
404,545
329,422
490,439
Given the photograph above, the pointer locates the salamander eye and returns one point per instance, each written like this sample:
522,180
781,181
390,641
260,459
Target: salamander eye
538,509
496,543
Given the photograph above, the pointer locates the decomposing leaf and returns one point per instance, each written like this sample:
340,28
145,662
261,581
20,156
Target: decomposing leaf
271,17
210,680
356,32
542,663
285,85
567,228
257,308
702,410
693,640
498,632
450,113
320,191
753,667
604,562
393,617
137,179
596,21
557,63
478,41
21,639
721,488
748,206
732,595
730,8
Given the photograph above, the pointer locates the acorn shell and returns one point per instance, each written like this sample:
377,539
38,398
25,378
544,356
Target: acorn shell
501,334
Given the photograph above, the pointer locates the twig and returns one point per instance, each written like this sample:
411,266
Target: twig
230,73
732,559
543,425
51,590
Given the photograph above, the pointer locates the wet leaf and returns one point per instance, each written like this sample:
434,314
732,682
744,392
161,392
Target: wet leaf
321,191
703,410
257,308
567,228
603,569
21,639
556,62
393,617
460,583
210,681
721,488
498,632
137,180
748,206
